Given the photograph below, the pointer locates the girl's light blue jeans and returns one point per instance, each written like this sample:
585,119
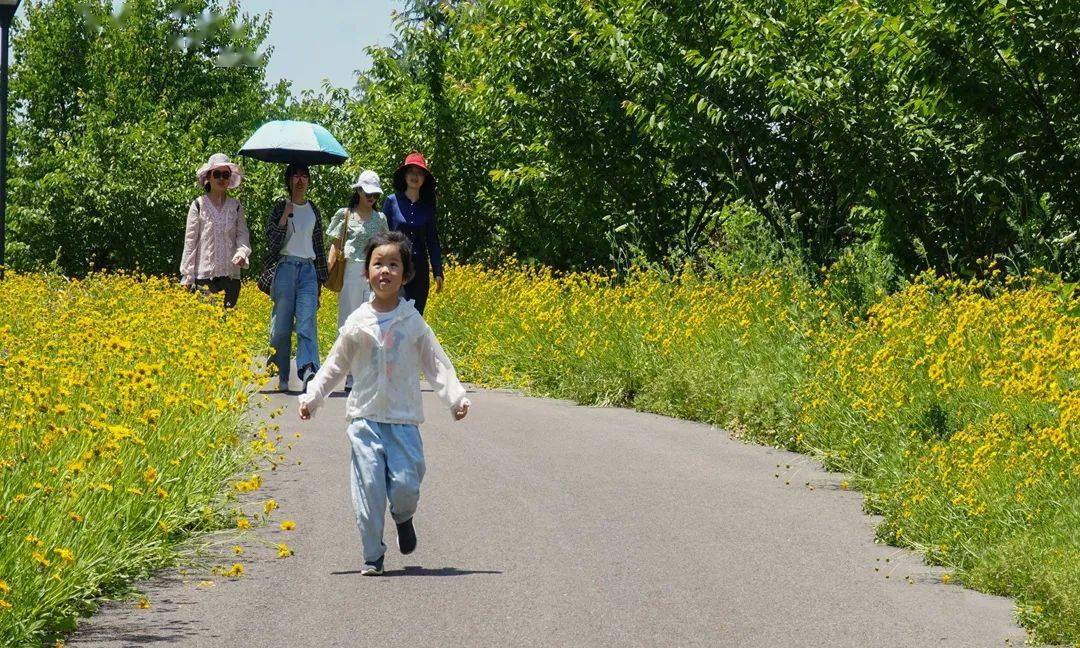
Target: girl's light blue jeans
387,465
295,293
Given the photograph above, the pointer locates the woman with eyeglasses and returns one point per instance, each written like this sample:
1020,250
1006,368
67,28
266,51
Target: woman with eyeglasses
297,259
363,222
411,210
216,238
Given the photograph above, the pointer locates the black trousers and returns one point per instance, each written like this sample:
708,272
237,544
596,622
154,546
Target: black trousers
417,289
217,284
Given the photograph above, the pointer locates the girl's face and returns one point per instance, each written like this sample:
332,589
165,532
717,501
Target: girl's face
386,271
414,178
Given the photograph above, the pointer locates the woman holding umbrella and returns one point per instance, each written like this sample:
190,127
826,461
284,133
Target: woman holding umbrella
411,210
294,242
295,263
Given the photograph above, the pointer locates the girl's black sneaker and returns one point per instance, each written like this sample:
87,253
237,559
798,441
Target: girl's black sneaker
406,537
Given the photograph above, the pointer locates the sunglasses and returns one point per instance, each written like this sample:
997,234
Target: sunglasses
370,196
221,175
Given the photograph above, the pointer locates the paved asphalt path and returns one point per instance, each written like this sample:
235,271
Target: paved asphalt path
543,523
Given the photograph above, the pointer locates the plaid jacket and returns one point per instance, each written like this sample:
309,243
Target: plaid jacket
275,240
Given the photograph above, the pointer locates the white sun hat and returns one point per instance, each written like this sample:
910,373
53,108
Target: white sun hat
220,161
368,182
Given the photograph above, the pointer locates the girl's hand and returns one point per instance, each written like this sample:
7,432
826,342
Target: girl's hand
461,412
438,284
239,260
304,412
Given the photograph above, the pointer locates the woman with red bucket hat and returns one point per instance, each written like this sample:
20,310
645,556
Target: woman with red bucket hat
411,210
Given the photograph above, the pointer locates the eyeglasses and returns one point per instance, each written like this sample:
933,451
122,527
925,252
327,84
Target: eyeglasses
221,175
371,196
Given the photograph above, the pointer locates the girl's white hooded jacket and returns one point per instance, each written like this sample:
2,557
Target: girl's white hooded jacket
385,362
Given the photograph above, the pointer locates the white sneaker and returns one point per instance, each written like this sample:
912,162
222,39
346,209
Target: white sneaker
308,375
373,568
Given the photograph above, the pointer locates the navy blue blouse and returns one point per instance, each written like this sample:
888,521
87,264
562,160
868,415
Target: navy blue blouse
417,221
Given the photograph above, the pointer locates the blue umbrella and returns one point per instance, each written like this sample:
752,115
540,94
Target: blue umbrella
294,142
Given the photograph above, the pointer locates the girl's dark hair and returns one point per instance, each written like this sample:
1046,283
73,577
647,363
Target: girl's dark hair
206,187
290,171
404,247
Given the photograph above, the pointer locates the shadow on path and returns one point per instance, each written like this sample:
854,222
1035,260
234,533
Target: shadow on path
416,570
133,632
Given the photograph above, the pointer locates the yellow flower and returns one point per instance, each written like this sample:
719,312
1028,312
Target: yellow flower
143,604
288,525
65,554
269,506
151,475
243,523
283,550
4,587
235,571
238,550
41,559
4,605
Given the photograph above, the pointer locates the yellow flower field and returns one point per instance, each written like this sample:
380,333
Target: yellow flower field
122,400
955,406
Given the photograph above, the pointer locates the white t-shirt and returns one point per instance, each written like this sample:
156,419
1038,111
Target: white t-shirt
301,227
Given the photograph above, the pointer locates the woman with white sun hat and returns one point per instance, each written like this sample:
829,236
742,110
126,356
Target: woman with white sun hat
216,239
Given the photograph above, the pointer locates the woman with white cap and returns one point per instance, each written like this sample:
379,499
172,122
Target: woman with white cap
357,223
216,239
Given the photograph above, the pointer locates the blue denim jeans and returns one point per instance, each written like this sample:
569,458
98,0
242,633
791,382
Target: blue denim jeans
387,466
295,293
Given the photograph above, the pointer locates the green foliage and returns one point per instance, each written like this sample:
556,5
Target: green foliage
113,117
936,133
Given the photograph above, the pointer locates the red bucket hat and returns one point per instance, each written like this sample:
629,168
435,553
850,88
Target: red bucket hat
415,159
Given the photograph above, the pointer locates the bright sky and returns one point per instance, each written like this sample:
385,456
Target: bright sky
323,39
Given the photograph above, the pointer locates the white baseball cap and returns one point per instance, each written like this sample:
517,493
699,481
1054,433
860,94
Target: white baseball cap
368,182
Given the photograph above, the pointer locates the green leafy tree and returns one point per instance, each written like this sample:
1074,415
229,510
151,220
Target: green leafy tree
113,116
929,132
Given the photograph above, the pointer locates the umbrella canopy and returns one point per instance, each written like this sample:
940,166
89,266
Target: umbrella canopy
294,142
